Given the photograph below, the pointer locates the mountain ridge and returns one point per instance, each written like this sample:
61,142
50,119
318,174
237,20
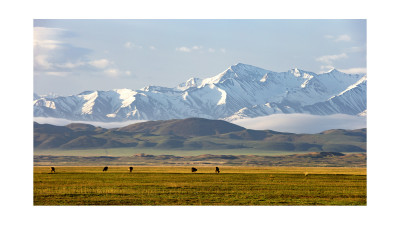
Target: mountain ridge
241,91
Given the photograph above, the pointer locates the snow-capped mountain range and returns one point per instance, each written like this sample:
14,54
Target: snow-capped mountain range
241,91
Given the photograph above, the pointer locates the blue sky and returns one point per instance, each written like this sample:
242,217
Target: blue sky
71,56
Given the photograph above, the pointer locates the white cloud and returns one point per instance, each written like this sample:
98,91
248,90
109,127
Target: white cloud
328,59
128,44
70,65
356,49
41,61
343,37
152,48
357,70
63,122
131,45
57,74
112,72
47,37
303,123
101,63
45,42
223,50
197,47
183,49
54,56
325,69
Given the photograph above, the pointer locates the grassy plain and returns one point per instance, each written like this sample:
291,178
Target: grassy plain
154,151
178,186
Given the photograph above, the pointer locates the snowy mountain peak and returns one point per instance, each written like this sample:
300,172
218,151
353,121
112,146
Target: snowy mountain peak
241,91
239,71
296,72
245,69
333,70
336,72
242,66
192,82
86,92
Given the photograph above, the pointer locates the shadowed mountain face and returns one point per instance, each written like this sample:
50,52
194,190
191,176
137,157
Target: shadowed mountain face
193,133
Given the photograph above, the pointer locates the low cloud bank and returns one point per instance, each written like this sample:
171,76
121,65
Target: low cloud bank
63,122
303,123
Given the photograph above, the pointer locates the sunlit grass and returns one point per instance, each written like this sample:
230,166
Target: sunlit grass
178,186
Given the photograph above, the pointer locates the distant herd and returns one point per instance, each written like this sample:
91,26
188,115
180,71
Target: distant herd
105,169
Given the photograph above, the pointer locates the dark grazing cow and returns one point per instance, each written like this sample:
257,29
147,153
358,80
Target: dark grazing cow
105,169
130,169
194,169
216,169
53,170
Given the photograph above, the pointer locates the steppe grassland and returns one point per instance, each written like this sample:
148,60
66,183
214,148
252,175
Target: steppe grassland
178,186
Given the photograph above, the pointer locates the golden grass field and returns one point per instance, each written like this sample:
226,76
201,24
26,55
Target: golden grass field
179,186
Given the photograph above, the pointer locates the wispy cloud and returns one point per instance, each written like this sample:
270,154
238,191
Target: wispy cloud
52,53
303,123
112,72
54,56
101,63
343,37
63,122
338,38
357,70
189,49
131,45
355,49
58,74
197,48
325,68
328,59
183,49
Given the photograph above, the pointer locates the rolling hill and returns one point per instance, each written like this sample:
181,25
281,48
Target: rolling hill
193,133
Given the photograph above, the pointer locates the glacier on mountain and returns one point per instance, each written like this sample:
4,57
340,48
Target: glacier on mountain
241,91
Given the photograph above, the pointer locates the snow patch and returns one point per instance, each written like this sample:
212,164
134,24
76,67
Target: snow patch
222,100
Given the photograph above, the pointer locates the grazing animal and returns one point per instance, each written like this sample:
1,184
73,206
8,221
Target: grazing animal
216,169
53,170
194,169
130,169
105,169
